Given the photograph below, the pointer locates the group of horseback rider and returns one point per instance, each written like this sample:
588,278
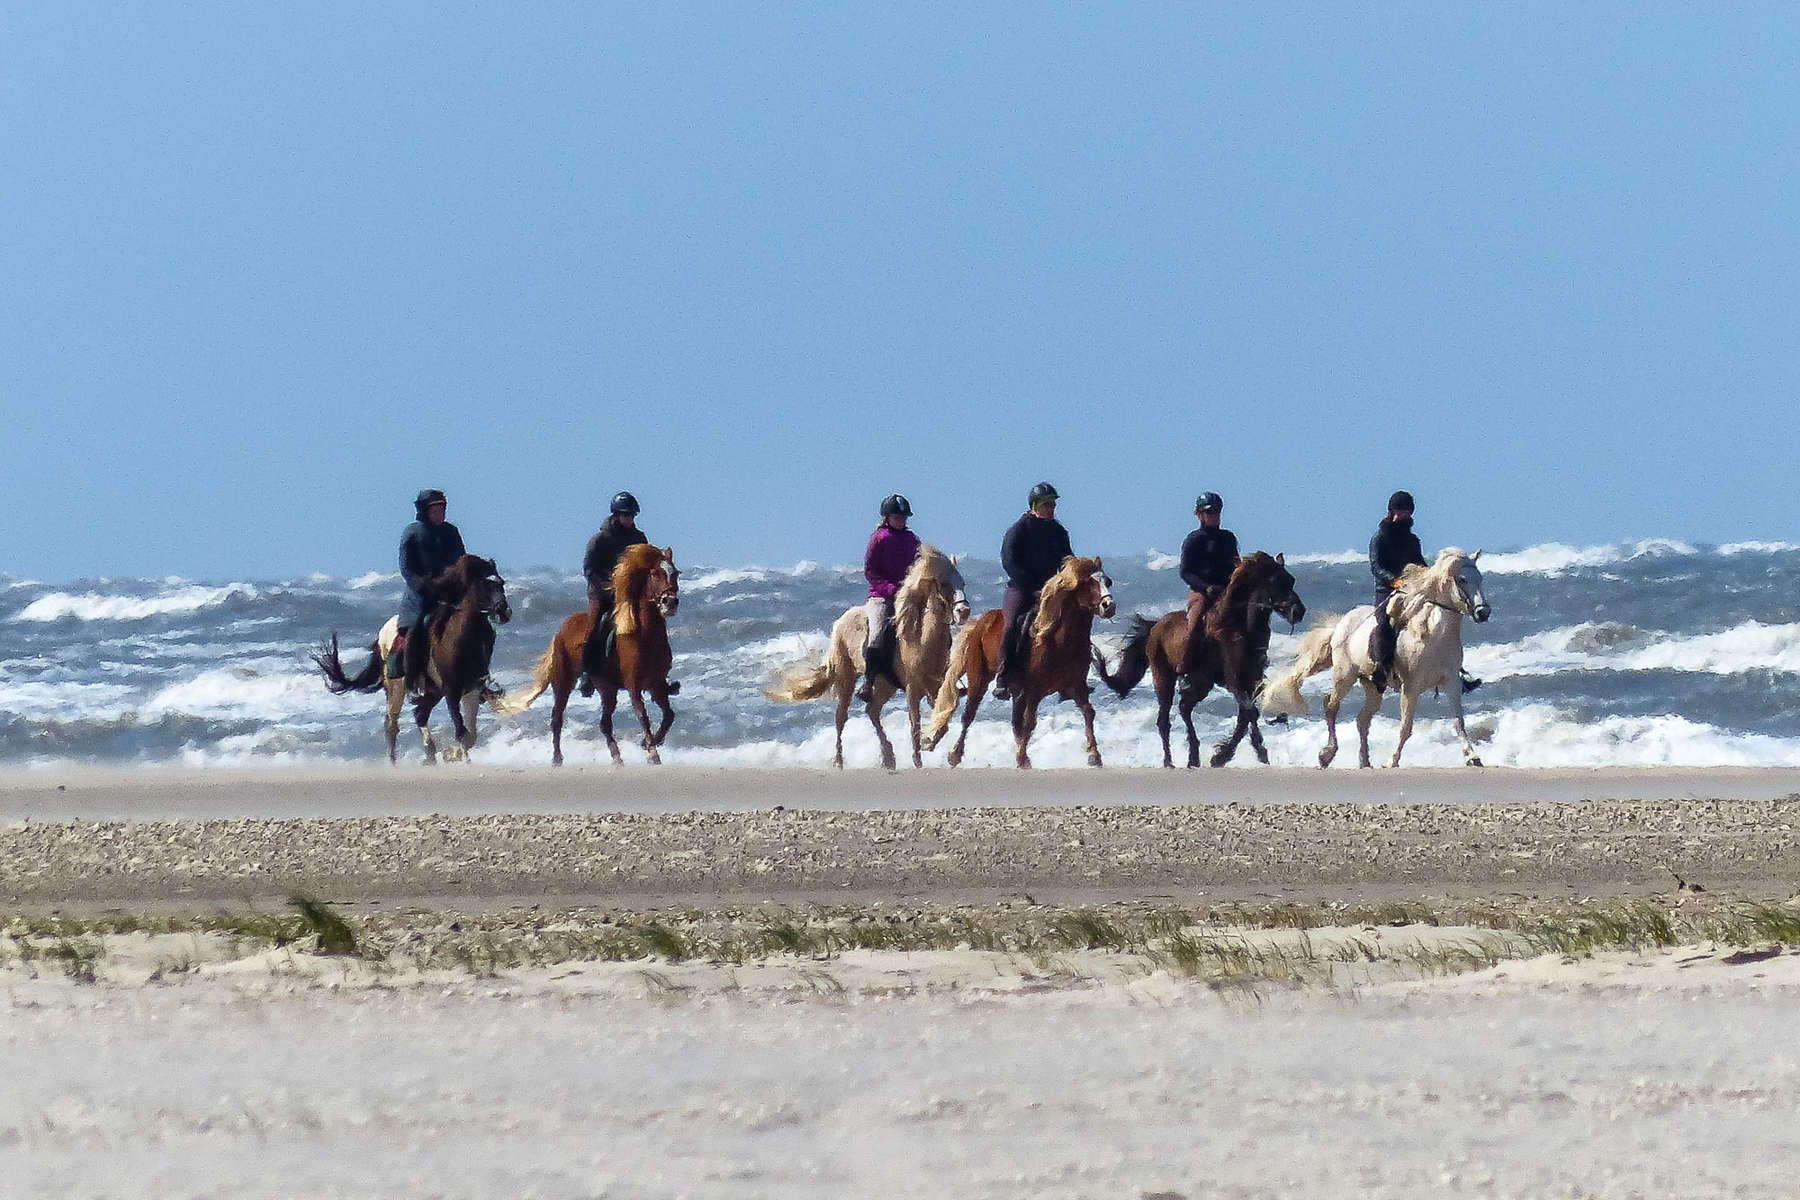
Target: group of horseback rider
1031,554
431,544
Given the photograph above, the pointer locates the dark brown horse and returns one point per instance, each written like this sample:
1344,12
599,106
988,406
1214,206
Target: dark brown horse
1054,661
646,591
1233,655
470,596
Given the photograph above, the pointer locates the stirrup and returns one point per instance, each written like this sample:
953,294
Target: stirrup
1469,683
587,684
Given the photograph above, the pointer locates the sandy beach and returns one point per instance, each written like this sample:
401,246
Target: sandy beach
1245,983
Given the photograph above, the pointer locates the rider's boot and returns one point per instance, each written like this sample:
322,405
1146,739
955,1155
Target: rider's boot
875,665
1469,683
1384,660
1001,690
396,659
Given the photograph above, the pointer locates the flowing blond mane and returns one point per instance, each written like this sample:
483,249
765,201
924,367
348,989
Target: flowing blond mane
628,578
1056,594
923,583
1436,583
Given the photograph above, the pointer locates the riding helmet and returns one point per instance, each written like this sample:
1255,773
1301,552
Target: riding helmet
1041,493
425,499
1208,502
896,504
1400,502
624,503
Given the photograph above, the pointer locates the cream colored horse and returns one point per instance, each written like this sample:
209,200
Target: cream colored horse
1427,608
926,608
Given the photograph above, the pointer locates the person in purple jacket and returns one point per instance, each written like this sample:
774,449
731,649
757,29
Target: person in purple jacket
892,549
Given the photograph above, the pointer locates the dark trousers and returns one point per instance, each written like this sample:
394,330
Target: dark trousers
1012,604
600,615
1385,636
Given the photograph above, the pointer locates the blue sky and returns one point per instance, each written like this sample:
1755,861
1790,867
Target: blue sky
268,269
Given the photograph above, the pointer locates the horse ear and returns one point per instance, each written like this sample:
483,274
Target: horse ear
1281,560
1097,566
1475,556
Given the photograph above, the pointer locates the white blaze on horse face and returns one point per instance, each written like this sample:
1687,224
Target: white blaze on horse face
1470,579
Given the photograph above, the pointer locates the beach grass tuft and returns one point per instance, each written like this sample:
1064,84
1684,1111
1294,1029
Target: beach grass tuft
333,932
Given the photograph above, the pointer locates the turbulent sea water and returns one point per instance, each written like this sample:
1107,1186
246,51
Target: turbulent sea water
1646,653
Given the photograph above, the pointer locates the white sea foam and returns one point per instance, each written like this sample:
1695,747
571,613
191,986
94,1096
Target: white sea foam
1156,560
1340,558
260,691
1553,558
1735,548
363,583
706,578
1751,646
91,606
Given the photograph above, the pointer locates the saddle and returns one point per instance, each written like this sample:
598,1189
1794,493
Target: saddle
1018,636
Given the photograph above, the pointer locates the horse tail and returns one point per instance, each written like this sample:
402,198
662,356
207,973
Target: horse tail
514,704
945,707
1282,693
369,679
796,685
1134,660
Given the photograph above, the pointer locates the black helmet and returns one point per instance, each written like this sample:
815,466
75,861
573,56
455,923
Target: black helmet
425,499
1400,502
896,504
1041,493
624,503
1208,502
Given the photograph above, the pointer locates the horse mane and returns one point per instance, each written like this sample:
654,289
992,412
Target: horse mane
451,584
929,569
633,568
1437,582
1056,593
1250,573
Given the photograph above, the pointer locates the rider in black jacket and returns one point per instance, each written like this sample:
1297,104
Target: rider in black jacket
1393,548
618,533
1032,552
1208,557
427,546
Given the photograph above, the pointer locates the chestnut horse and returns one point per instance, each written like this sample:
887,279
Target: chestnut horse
1054,660
646,591
1234,654
929,603
469,596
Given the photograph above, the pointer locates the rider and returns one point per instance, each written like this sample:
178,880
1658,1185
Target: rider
890,554
1393,548
617,533
1032,553
1208,557
427,546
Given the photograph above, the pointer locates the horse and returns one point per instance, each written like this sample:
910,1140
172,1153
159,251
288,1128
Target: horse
930,601
1427,607
1055,660
646,593
469,596
1233,653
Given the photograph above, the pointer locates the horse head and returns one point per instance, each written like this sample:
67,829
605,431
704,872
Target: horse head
1095,593
1275,587
1468,585
959,594
474,581
490,592
663,586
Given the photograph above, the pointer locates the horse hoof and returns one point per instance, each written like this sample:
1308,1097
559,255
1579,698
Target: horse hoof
1474,762
1262,756
1218,760
1094,760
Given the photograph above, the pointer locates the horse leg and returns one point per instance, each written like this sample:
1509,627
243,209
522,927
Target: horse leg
396,700
1333,698
659,693
1165,699
471,707
978,686
1024,721
1256,738
1453,691
1370,706
887,747
643,716
1409,704
422,714
559,705
913,698
1085,703
609,700
1223,752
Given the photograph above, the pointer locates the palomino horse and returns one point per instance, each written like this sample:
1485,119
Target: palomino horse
470,596
646,592
928,604
1428,606
1055,659
1234,653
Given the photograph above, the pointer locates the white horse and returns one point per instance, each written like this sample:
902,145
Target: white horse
928,605
1427,608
